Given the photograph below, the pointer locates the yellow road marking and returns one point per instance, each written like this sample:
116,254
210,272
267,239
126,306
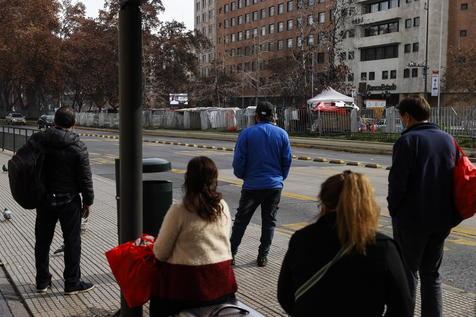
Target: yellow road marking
239,183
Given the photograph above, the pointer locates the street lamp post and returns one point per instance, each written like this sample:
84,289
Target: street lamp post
130,128
425,70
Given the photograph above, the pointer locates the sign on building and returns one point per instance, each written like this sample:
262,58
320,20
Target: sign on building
435,83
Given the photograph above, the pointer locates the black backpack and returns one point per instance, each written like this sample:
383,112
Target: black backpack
25,172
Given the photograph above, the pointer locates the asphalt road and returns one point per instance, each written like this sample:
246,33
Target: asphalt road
298,203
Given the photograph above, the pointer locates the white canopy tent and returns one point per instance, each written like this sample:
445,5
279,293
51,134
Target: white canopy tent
329,95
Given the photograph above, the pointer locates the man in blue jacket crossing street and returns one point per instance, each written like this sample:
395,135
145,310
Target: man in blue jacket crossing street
262,159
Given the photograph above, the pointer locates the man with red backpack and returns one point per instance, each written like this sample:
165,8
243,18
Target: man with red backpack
421,199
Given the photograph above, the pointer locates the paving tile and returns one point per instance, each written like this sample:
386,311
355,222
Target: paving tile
257,286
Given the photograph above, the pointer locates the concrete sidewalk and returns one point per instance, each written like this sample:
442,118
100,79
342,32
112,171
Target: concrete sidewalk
257,286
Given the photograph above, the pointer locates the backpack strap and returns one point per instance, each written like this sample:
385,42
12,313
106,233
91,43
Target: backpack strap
320,274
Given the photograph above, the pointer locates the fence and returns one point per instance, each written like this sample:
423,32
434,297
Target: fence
380,124
13,138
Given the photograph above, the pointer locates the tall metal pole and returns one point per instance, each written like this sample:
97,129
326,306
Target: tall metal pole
439,62
426,46
130,126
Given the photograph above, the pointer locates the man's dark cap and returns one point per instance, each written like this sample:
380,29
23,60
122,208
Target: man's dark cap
264,109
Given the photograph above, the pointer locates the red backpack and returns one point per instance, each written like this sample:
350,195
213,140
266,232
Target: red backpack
464,178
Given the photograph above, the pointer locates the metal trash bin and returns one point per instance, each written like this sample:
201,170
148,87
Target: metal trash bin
157,195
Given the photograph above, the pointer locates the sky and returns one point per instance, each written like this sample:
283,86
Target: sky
180,10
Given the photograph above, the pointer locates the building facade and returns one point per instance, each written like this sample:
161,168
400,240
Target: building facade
205,22
397,47
393,48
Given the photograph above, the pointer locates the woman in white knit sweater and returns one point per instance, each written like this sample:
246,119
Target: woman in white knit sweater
193,246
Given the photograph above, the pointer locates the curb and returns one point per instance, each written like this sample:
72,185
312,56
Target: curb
211,147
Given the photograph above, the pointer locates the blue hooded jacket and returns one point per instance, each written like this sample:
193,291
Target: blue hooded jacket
262,156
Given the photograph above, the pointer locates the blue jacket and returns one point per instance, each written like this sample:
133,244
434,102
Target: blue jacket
262,156
420,192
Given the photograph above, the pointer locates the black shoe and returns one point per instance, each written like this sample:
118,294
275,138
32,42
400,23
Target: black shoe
262,261
43,288
80,288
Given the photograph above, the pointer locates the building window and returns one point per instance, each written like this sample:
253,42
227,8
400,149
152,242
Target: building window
263,13
350,77
271,28
281,8
248,17
343,56
280,26
247,3
393,74
310,40
291,6
408,23
263,30
290,25
210,15
407,48
415,47
350,55
371,75
240,20
240,3
380,6
197,20
248,34
310,20
363,76
381,52
280,45
197,6
240,36
290,43
464,6
256,16
414,72
271,11
406,73
299,41
233,22
383,28
233,6
255,32
312,2
322,17
385,74
416,21
351,33
463,33
233,37
320,58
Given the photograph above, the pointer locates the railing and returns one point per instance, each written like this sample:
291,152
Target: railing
12,138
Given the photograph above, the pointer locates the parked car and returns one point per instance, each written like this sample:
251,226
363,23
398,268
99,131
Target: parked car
46,121
15,118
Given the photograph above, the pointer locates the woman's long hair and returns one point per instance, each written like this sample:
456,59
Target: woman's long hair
351,196
200,186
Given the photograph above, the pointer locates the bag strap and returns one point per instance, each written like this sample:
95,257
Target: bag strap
458,148
320,274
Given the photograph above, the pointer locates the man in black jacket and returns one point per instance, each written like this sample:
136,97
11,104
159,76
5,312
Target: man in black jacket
420,199
67,174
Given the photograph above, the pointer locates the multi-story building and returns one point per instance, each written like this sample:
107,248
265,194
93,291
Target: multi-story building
397,46
205,22
252,32
393,48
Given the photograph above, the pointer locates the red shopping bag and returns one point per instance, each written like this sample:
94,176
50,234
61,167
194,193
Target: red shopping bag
464,180
136,270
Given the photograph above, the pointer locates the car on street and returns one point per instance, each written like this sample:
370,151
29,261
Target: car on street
15,118
46,121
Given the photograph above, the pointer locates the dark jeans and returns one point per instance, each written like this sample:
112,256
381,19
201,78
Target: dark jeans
249,201
69,216
423,253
